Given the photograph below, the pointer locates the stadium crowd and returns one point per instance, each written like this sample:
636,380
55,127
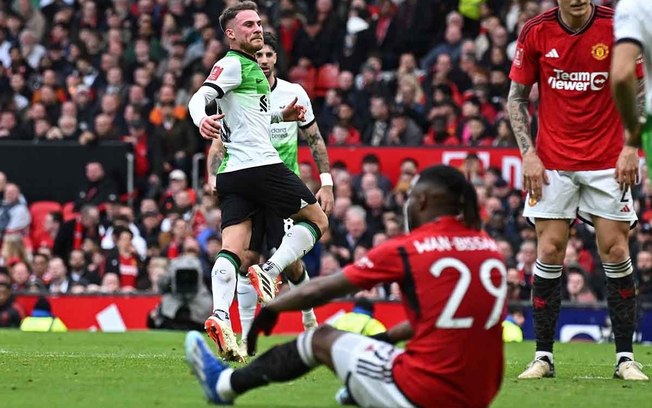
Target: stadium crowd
124,70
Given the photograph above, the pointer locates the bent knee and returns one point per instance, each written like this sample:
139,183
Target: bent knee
551,250
615,253
320,219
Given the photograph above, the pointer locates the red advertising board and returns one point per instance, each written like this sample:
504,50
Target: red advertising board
508,159
129,312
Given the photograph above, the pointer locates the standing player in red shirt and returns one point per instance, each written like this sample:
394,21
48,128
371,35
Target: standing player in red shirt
571,172
453,284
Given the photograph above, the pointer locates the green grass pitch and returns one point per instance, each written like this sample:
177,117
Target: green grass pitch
147,369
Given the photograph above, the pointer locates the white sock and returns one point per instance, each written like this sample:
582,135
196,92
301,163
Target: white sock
223,282
539,354
624,354
296,243
247,300
304,346
304,278
223,386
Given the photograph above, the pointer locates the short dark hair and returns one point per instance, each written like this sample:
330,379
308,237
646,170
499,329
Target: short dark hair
231,12
271,41
119,230
460,193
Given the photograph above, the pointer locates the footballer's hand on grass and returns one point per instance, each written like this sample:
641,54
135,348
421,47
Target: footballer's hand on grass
627,167
210,127
264,322
293,112
326,199
534,175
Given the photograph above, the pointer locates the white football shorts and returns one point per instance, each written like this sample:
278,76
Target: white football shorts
582,194
365,366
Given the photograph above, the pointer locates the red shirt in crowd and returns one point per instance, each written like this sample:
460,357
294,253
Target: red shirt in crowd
453,286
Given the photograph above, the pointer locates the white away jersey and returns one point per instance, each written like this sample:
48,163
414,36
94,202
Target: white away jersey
285,135
632,23
243,93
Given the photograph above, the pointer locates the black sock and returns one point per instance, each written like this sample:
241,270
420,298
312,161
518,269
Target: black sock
621,299
281,363
546,302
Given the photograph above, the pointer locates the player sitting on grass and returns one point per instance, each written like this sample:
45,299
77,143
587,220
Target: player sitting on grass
453,286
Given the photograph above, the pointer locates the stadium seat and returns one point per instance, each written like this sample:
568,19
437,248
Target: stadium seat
69,211
326,79
38,210
305,78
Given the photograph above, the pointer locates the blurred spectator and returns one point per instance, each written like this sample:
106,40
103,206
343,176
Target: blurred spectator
329,264
20,275
644,276
517,289
10,313
212,227
371,165
124,262
110,283
73,233
174,240
526,257
59,281
125,218
40,273
177,138
178,182
148,154
51,225
577,289
377,131
14,214
404,131
78,272
512,332
98,188
355,234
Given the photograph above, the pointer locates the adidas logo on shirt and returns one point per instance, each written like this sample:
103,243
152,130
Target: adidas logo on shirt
552,53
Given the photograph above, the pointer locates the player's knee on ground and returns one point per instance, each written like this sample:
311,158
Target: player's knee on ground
322,342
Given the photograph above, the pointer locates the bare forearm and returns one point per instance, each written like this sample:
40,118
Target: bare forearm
400,332
625,96
215,157
317,146
517,104
314,293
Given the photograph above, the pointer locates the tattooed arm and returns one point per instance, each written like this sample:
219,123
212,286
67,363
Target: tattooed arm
517,105
213,163
317,146
630,101
534,173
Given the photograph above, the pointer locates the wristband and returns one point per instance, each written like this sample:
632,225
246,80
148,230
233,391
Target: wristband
277,116
326,179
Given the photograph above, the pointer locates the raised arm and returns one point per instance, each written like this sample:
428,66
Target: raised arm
534,174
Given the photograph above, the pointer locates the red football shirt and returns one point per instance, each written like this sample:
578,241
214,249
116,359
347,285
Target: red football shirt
453,286
579,126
